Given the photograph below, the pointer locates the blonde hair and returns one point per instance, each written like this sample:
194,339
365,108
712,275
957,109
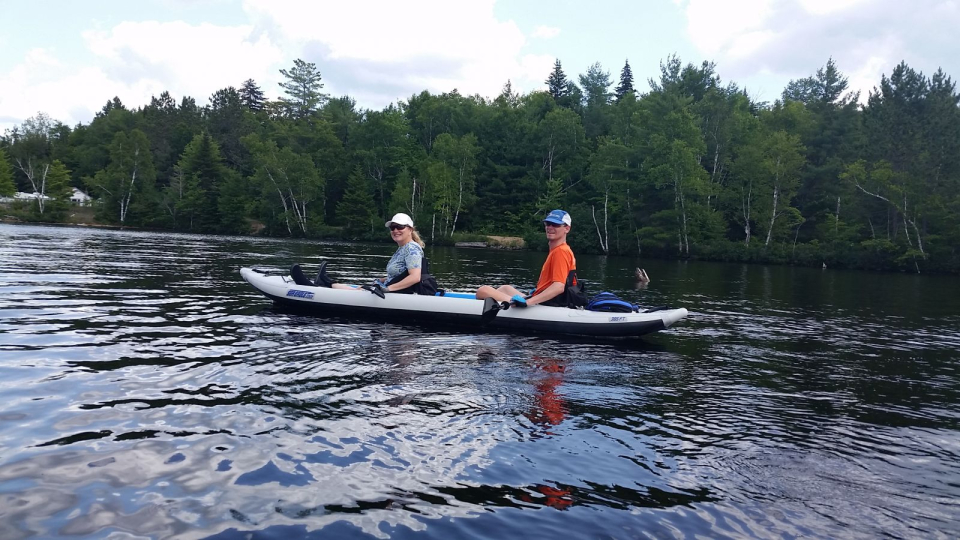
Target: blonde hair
416,237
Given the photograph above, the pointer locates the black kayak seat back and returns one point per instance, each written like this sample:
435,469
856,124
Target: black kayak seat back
573,295
427,286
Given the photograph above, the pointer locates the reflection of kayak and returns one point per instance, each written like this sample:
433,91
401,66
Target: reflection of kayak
457,309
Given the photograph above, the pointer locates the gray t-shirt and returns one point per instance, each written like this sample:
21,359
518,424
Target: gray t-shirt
408,256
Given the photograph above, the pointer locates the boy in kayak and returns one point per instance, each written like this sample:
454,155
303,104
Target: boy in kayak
558,284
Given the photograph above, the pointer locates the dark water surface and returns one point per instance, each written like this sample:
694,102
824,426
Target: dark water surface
148,392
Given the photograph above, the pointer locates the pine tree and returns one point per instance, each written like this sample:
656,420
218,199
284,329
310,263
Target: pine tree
7,187
59,191
202,159
303,89
354,210
557,82
626,82
114,103
827,86
251,96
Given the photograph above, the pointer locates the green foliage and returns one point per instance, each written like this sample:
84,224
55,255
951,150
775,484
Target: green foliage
251,96
291,186
7,187
452,177
626,82
355,209
233,204
128,177
202,165
557,82
302,86
693,168
58,189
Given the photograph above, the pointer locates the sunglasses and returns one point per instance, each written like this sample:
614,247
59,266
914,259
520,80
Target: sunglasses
395,227
551,225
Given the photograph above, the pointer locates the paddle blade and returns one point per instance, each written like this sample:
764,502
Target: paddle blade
490,310
375,289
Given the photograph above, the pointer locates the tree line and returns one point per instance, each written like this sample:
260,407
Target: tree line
692,168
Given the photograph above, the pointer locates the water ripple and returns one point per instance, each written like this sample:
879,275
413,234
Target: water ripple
149,392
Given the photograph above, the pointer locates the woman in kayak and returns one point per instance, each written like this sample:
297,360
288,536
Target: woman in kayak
407,270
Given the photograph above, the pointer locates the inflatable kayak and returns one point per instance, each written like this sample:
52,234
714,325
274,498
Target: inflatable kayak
458,309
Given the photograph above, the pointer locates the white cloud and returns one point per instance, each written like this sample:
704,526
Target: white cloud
824,7
546,32
714,27
134,61
441,45
748,43
755,41
376,51
194,60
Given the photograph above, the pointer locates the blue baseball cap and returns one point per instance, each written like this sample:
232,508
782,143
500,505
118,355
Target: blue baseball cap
558,217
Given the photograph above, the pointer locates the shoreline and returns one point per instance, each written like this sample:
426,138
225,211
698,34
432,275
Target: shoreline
491,242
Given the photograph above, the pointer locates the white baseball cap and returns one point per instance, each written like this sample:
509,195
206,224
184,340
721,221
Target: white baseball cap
400,219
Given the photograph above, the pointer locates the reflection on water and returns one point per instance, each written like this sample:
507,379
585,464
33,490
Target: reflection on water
148,391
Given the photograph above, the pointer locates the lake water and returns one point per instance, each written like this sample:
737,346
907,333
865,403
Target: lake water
147,391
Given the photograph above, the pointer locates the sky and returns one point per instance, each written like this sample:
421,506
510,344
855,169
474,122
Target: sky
67,58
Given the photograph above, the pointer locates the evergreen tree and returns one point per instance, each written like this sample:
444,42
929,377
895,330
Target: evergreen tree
225,119
355,210
557,82
251,96
343,116
303,89
379,144
232,204
181,199
201,160
626,82
596,87
59,191
7,187
827,86
830,147
159,121
573,98
113,104
508,96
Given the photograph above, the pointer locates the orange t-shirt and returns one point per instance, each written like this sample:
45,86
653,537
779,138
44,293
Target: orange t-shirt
560,261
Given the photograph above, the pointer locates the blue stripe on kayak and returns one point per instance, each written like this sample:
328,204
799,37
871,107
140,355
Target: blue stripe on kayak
458,295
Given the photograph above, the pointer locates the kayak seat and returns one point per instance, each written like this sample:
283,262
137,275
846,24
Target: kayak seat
427,286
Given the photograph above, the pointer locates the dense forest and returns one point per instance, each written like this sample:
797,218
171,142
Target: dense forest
692,168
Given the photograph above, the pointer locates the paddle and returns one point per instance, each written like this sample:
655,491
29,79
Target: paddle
375,288
490,309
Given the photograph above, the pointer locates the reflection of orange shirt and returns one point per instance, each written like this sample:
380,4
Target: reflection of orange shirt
549,406
560,261
550,409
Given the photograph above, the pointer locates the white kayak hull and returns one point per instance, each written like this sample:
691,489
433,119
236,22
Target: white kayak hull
457,311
